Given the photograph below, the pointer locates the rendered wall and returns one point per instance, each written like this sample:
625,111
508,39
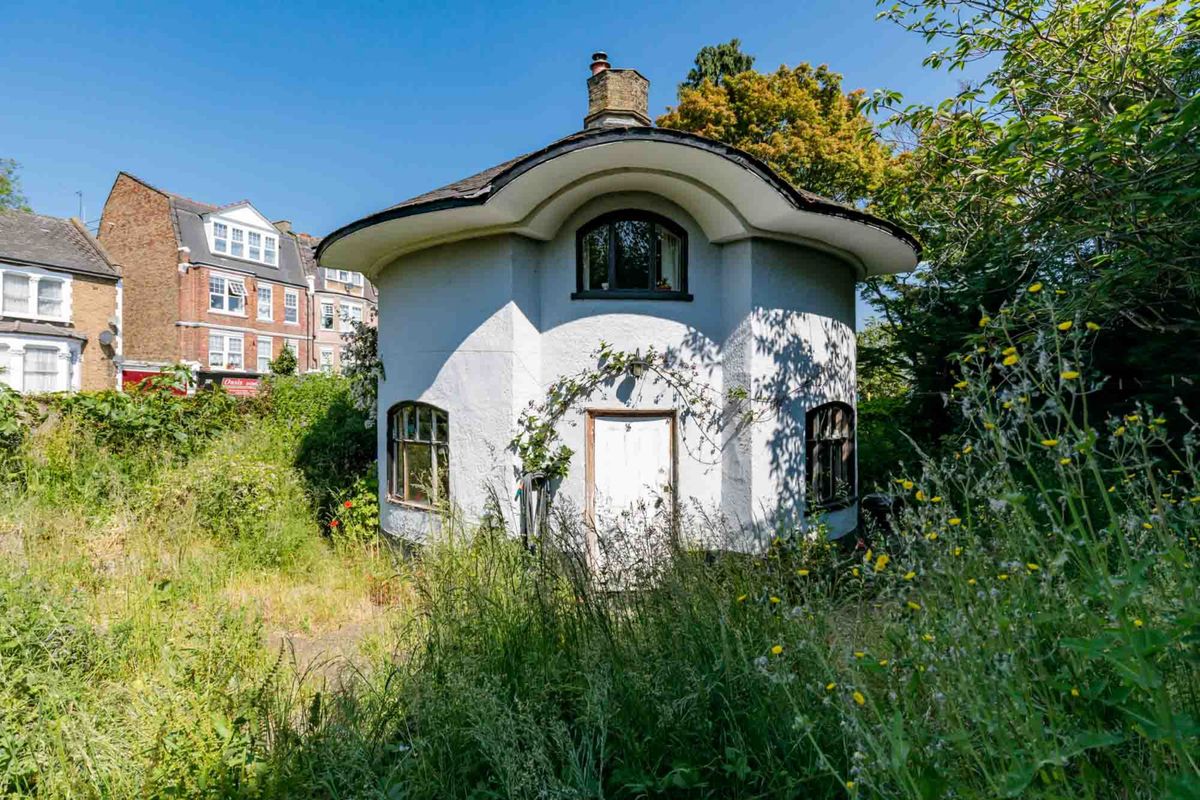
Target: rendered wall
481,328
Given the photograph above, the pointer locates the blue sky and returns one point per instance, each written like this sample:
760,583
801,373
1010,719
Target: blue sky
323,112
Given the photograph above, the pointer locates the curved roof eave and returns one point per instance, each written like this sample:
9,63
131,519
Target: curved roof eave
478,189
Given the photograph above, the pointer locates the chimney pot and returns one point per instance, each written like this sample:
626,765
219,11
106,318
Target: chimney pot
599,62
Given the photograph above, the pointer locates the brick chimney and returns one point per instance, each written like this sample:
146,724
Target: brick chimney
618,97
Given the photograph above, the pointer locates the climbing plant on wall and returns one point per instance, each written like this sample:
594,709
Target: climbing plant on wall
538,443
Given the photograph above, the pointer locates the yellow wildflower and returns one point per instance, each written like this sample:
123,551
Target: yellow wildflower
1065,326
775,599
1160,421
850,785
1065,460
937,498
1007,404
1010,360
777,649
802,573
1032,567
983,321
932,536
908,576
920,495
829,687
961,385
1003,576
1120,431
858,698
882,562
914,606
1074,691
741,598
989,426
1091,326
883,662
1137,623
971,581
957,551
1049,442
1034,288
967,449
927,637
859,654
955,521
1147,526
907,485
1069,375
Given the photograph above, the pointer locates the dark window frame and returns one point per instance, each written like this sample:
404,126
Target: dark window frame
398,446
838,490
609,220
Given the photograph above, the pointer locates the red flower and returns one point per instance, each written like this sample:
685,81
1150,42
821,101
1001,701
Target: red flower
348,504
333,523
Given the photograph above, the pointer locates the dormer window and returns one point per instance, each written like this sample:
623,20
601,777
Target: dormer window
220,237
632,255
240,242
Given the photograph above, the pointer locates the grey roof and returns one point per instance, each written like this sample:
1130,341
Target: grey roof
189,225
477,188
54,243
41,329
187,216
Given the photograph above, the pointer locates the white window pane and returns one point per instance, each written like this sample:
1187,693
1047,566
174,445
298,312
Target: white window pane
216,292
41,370
16,294
269,257
50,296
255,239
237,246
216,350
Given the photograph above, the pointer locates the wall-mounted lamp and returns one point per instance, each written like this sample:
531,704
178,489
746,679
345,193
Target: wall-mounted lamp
637,365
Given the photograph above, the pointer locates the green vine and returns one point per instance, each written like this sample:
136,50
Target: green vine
537,443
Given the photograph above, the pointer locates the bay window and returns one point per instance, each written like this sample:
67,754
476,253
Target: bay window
41,369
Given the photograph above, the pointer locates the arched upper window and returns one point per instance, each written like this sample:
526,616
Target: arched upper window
631,255
418,454
829,448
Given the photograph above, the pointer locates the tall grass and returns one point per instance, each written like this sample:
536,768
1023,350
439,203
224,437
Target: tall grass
1028,628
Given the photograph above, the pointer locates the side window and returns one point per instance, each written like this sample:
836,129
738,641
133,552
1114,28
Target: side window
829,449
631,255
418,454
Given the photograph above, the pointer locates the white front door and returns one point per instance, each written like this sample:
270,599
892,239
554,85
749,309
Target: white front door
631,488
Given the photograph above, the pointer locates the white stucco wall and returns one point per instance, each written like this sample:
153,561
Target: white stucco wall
481,328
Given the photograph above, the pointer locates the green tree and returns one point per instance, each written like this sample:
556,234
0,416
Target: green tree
1072,164
363,368
284,363
10,186
798,120
714,62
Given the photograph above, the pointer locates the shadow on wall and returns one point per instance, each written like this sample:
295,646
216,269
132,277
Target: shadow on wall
786,376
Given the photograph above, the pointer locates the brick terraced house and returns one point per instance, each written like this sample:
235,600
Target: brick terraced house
220,288
60,306
340,298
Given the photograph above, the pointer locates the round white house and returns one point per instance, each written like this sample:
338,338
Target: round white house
726,295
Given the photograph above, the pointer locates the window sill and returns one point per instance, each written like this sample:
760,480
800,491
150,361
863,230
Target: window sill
226,313
35,317
263,319
631,294
410,505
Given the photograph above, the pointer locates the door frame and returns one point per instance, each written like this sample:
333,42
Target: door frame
589,479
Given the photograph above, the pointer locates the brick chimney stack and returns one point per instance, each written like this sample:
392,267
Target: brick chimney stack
616,97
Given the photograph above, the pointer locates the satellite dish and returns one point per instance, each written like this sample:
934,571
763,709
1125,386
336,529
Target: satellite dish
106,338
